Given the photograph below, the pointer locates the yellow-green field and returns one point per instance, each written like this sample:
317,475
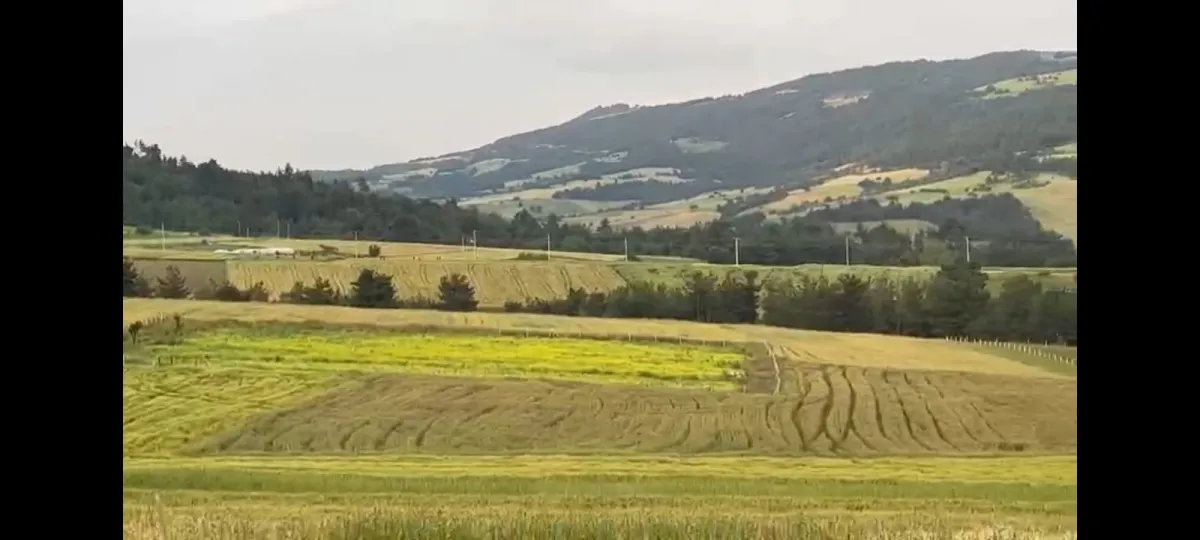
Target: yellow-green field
274,420
296,347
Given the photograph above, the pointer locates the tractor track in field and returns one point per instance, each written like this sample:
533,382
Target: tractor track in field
820,410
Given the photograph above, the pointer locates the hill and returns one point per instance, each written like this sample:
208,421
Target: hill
1006,112
162,191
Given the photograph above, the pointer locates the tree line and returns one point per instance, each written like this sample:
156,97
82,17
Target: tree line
954,303
161,191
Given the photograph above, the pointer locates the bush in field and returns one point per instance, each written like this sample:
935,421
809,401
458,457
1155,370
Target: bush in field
373,290
456,293
320,293
172,285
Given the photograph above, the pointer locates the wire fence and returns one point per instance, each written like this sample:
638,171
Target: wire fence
1042,350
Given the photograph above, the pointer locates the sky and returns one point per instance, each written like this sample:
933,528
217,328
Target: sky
332,84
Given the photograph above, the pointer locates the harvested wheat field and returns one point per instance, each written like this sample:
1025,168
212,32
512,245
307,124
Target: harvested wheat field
867,350
848,411
495,282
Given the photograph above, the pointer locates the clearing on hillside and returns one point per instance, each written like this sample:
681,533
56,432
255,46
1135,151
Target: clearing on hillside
1019,85
661,174
840,187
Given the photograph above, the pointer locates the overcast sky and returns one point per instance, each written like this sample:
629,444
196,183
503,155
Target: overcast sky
357,83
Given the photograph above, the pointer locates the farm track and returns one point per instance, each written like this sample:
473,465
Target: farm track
835,410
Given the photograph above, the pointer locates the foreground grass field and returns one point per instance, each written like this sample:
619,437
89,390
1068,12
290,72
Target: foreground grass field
583,497
282,421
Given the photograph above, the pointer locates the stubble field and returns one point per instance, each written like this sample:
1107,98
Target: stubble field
268,421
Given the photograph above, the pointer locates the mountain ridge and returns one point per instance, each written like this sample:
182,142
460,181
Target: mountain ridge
1001,112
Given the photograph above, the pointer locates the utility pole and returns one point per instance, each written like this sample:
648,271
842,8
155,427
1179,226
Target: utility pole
737,256
626,249
968,238
847,250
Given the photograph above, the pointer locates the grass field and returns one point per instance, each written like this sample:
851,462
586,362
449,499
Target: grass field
1054,202
308,423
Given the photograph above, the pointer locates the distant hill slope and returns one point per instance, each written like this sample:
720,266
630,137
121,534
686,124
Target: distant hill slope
997,112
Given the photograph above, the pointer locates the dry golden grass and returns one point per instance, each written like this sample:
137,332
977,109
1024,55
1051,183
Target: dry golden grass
495,282
842,186
867,350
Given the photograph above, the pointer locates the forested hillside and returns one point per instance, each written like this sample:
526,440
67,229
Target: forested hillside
159,190
996,112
